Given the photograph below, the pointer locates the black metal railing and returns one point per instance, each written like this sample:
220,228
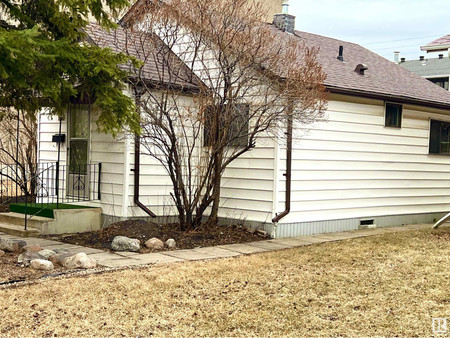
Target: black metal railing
46,184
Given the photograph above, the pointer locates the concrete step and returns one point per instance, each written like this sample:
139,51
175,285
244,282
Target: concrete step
14,218
18,230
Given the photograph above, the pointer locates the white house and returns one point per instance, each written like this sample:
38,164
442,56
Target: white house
381,157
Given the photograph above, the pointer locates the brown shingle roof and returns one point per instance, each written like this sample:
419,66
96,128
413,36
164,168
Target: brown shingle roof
383,78
161,66
435,44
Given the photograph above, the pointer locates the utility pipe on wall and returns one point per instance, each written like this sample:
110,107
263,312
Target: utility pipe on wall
288,173
137,165
137,173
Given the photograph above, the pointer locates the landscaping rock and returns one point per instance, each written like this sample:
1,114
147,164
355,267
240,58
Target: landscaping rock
32,248
12,245
80,261
122,243
2,253
47,253
154,244
26,257
60,257
171,244
40,264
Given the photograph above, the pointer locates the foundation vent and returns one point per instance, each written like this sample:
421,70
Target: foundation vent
367,223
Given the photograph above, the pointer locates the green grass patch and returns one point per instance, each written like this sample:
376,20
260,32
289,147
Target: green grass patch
42,209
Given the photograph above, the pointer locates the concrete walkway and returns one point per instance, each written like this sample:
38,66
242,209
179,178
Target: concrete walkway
127,259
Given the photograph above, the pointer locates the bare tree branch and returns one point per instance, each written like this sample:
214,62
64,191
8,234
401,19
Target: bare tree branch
249,78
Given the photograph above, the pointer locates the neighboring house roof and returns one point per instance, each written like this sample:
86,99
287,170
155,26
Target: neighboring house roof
428,67
161,66
383,79
441,44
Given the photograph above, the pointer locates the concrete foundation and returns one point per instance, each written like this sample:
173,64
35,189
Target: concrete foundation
287,230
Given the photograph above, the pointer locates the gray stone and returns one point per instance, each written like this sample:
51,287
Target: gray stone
154,244
40,264
80,261
60,257
12,245
122,243
171,244
47,253
26,257
2,253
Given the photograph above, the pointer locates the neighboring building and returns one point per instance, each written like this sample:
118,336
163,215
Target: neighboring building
435,69
381,158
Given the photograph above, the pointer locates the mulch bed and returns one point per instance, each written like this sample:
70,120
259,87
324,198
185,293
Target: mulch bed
204,236
11,271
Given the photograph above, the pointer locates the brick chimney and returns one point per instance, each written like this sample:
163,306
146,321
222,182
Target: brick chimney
285,21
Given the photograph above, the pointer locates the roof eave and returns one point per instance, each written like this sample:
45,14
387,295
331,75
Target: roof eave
381,96
154,84
435,48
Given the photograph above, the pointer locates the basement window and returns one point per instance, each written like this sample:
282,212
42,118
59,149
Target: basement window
366,222
393,115
439,137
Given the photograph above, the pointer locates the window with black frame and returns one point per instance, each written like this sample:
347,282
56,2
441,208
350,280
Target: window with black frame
393,115
439,137
230,121
441,82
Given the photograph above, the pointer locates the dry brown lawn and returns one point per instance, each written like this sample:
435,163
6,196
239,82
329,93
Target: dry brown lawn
386,285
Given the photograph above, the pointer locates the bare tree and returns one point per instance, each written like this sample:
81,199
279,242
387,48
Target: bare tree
18,145
248,79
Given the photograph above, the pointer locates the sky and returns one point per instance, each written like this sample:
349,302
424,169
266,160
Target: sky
383,26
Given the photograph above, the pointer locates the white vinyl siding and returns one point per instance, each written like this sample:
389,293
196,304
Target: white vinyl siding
110,152
48,150
103,149
247,185
352,166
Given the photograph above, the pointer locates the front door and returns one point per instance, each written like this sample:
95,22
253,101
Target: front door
78,152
